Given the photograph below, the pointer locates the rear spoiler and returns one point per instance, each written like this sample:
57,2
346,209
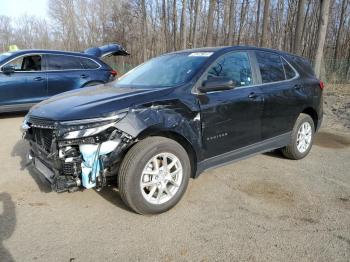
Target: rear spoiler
107,50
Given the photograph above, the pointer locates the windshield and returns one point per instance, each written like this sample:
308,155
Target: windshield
165,71
4,56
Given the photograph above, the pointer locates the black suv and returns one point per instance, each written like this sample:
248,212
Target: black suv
173,117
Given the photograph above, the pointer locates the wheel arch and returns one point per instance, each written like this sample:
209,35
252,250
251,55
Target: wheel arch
178,138
313,114
93,83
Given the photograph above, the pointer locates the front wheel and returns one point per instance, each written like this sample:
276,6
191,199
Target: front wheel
302,138
154,175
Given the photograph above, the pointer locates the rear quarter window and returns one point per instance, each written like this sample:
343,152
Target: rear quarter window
89,64
288,70
302,65
271,67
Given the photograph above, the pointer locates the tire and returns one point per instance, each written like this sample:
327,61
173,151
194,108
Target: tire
292,151
147,157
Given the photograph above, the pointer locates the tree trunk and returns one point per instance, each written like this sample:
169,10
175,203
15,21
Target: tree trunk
244,7
144,30
299,27
226,21
231,24
183,31
321,35
196,14
257,24
165,26
341,24
209,39
265,23
174,24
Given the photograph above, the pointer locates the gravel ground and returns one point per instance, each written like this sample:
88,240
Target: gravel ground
265,208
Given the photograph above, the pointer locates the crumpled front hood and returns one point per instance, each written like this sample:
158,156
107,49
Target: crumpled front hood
91,102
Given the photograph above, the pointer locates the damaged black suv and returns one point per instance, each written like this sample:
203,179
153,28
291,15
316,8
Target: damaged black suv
173,117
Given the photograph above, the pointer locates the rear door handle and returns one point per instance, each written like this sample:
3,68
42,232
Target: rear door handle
39,78
84,76
252,95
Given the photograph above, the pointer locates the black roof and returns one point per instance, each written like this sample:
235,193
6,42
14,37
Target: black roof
236,47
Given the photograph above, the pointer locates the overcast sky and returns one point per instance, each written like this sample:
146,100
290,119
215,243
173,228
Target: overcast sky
16,8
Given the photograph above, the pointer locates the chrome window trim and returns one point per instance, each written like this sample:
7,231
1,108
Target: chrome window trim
99,65
31,54
43,71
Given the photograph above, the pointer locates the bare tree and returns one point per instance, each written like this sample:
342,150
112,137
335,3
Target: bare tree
209,38
144,30
265,23
321,36
299,27
257,23
174,24
231,22
196,14
183,28
344,6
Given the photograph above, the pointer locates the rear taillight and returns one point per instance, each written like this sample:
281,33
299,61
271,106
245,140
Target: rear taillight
114,73
321,85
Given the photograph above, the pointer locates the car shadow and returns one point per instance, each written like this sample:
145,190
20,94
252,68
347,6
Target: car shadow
13,114
7,224
20,150
275,153
111,194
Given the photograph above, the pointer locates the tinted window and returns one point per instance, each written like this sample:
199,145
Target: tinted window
271,67
288,70
234,66
26,63
61,62
89,64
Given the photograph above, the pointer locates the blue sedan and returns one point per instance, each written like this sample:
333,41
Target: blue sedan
30,76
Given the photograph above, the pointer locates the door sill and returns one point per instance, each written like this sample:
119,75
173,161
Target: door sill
244,152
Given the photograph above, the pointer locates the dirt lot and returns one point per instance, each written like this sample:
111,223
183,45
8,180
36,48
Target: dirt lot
265,208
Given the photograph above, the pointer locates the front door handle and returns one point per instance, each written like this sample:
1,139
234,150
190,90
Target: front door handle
84,76
252,95
39,78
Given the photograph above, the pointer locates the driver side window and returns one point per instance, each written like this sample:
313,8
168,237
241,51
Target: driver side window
26,63
235,66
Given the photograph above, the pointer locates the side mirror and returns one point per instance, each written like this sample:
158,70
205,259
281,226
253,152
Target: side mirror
216,84
8,69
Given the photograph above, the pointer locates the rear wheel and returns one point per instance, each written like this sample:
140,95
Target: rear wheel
154,175
302,138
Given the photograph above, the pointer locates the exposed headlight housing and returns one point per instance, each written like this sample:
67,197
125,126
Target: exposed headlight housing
25,126
88,127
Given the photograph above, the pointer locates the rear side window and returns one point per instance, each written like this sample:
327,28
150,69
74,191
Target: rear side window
288,70
271,67
62,62
235,66
89,64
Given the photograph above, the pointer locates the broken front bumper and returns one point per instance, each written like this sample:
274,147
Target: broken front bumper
69,163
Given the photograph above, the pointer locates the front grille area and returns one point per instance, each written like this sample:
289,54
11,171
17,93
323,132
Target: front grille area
41,122
43,137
